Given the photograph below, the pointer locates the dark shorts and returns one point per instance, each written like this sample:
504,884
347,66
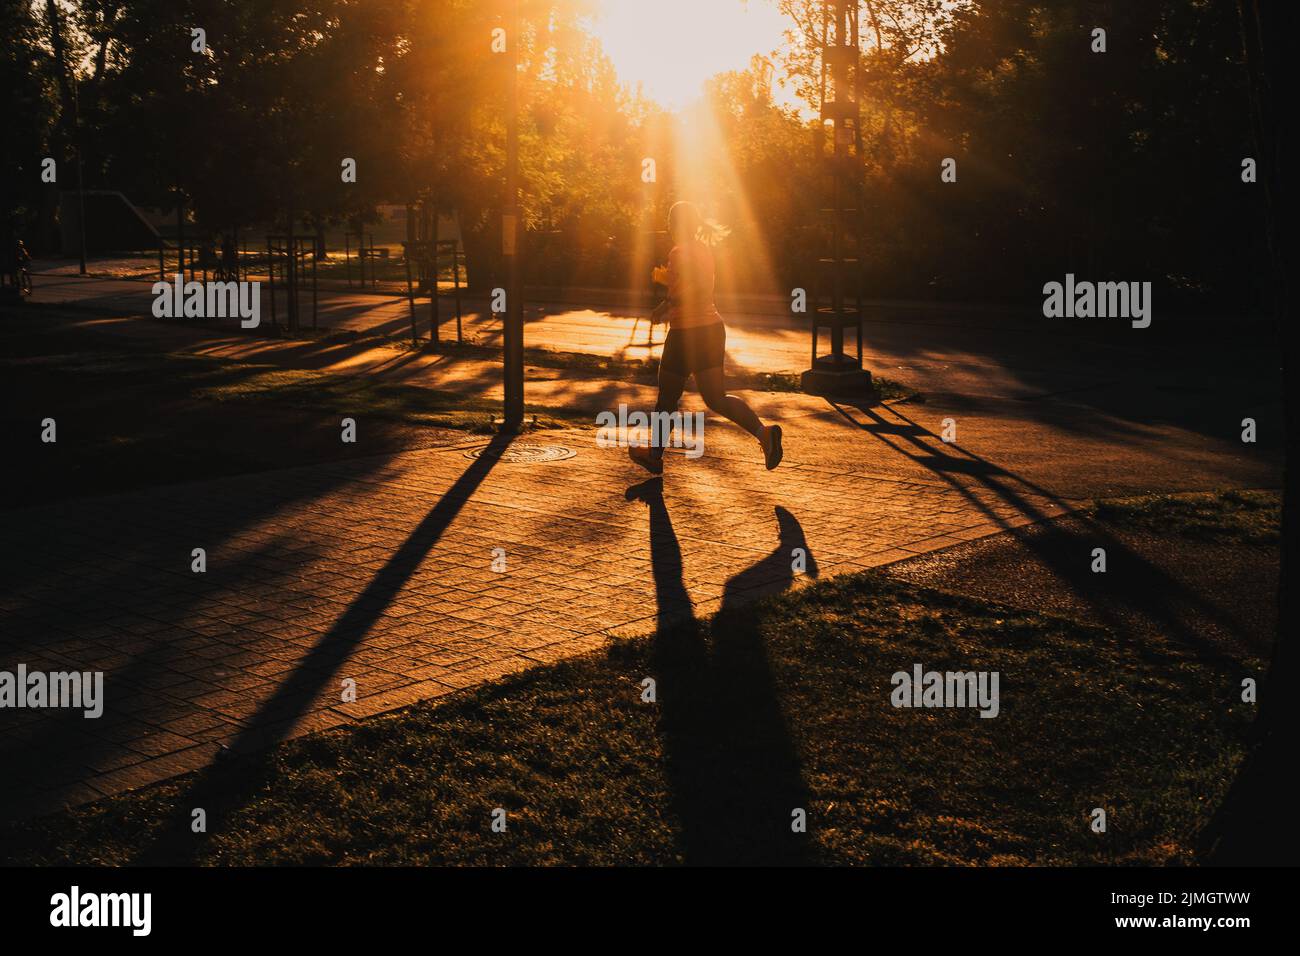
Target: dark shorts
695,349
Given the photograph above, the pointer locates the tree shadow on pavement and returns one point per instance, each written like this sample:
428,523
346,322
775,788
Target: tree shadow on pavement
1131,580
226,786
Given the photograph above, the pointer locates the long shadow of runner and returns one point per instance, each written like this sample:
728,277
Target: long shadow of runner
221,789
733,770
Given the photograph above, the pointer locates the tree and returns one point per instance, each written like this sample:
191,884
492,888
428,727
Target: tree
27,72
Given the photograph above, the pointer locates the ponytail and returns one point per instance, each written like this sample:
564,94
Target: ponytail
712,232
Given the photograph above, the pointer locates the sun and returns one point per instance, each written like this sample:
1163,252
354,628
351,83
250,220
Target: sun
669,48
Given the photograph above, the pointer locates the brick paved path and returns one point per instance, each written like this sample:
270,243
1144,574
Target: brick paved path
380,570
757,340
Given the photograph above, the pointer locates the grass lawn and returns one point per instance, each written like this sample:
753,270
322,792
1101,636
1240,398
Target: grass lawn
763,709
1237,517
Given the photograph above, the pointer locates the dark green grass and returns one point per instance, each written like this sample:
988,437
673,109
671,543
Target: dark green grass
1233,517
774,706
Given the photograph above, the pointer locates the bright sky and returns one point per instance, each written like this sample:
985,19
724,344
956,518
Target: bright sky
671,47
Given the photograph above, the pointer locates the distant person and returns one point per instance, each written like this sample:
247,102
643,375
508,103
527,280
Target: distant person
15,262
24,266
697,339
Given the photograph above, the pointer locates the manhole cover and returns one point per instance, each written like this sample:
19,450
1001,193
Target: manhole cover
523,453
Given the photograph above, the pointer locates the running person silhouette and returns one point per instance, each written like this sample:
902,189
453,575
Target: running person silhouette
696,341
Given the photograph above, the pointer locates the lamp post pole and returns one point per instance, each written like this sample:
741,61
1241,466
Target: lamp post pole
513,338
837,372
81,191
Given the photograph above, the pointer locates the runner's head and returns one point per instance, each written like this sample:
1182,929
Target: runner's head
686,223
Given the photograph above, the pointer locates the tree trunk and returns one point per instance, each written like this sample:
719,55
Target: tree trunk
1257,823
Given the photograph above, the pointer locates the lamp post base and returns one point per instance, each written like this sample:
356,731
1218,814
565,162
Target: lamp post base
839,378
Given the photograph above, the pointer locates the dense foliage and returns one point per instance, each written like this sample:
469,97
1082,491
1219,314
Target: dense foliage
1124,164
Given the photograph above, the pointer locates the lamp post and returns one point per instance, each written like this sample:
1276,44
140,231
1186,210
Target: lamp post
834,308
513,333
81,191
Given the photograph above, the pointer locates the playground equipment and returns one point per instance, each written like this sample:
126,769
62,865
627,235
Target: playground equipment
229,259
112,223
221,255
838,307
426,252
199,254
291,251
365,252
193,260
